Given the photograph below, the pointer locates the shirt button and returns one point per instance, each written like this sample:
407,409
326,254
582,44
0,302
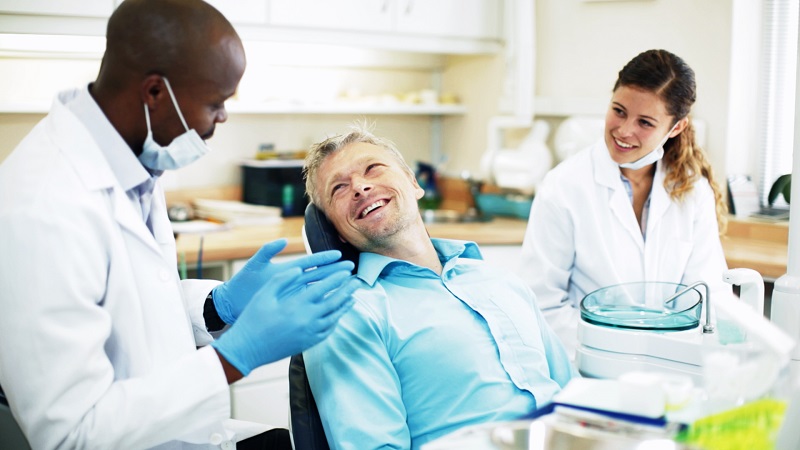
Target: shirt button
228,445
165,275
215,439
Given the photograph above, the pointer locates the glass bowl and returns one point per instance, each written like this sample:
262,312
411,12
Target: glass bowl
640,306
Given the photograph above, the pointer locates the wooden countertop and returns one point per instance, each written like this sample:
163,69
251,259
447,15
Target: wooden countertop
756,245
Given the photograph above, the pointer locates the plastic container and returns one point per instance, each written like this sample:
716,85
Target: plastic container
640,306
505,205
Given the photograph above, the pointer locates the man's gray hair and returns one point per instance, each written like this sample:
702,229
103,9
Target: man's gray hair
317,154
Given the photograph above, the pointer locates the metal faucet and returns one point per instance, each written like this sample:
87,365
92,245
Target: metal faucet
707,327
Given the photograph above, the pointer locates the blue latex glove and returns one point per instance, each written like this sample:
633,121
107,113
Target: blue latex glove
286,317
231,297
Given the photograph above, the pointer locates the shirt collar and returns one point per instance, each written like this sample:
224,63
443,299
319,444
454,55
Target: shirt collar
127,169
372,265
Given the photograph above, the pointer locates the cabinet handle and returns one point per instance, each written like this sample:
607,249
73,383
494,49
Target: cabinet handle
385,6
409,6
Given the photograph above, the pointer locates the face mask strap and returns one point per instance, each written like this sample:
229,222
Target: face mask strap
175,103
147,117
664,141
654,155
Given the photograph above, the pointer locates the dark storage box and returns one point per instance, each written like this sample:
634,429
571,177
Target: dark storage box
275,183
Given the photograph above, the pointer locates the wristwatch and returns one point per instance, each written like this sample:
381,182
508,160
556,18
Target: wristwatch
213,321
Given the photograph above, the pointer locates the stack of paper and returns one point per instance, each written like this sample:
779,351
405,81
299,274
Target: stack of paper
197,227
236,213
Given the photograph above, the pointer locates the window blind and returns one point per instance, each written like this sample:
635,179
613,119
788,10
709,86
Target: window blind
777,92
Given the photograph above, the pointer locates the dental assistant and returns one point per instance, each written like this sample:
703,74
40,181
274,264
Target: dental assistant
101,345
639,205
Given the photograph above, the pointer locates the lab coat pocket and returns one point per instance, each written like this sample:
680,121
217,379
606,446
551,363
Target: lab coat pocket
674,257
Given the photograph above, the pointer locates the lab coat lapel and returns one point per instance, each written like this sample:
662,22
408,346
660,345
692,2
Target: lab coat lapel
162,228
94,171
131,221
88,161
606,173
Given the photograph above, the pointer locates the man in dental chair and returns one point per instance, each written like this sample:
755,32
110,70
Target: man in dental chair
437,339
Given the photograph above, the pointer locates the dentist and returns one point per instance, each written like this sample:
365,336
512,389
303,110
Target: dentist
640,205
101,345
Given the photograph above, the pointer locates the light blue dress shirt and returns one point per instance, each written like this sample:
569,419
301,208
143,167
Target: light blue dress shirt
422,355
645,210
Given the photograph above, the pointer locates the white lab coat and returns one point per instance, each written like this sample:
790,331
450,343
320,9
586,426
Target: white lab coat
582,235
98,335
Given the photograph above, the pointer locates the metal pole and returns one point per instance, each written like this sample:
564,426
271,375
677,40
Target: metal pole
785,310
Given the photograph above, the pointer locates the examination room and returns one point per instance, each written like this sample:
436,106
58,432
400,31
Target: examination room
399,224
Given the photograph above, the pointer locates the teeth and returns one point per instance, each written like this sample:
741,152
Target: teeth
622,144
369,208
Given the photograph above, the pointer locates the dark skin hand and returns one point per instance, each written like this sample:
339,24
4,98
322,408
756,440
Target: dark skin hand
231,373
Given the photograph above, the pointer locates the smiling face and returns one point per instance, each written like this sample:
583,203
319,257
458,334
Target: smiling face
368,196
636,122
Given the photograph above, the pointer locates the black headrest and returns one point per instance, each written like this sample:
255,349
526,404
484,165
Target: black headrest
322,235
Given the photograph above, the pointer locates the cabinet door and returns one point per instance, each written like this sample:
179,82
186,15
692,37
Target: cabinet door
78,8
263,396
353,15
242,11
479,19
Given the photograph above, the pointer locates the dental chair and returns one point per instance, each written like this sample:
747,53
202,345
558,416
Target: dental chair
304,422
11,435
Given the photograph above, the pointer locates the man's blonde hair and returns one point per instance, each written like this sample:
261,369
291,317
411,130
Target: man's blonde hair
359,132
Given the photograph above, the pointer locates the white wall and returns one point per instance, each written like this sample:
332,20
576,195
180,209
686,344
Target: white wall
240,137
479,82
580,47
35,81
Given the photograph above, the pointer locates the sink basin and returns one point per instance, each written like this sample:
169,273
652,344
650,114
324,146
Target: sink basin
452,216
640,305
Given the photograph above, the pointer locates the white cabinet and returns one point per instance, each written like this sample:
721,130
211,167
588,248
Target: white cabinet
477,19
453,18
350,15
48,17
79,8
263,396
430,26
247,12
405,21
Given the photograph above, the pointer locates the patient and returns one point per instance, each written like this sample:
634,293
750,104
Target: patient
437,339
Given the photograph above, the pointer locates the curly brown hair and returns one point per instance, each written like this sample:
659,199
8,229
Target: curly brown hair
673,81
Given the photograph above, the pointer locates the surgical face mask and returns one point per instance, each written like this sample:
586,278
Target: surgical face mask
651,157
182,151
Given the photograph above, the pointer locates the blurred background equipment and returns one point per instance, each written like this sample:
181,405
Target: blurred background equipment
275,182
